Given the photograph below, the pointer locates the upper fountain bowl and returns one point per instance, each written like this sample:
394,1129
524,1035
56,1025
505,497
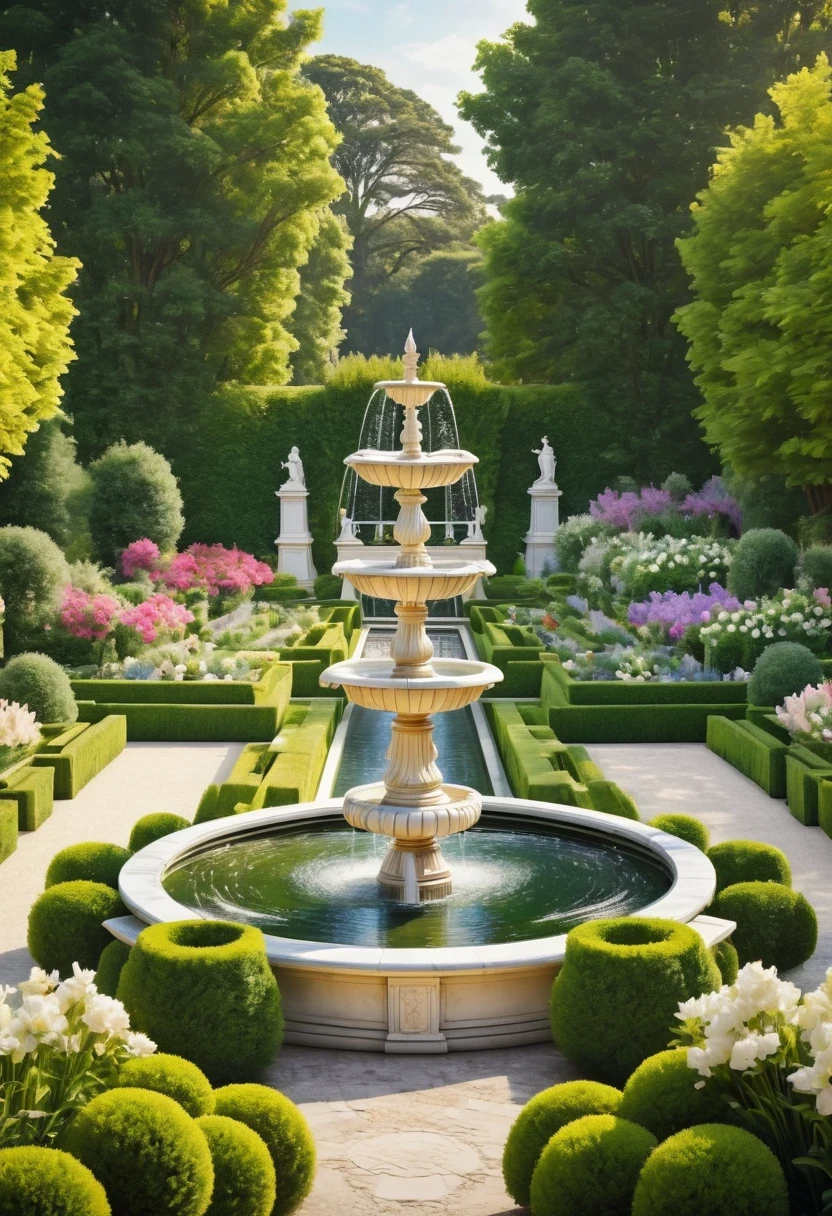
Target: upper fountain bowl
427,471
410,392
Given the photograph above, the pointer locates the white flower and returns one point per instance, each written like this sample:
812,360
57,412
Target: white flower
139,1045
39,982
38,1020
79,987
18,727
105,1015
9,1045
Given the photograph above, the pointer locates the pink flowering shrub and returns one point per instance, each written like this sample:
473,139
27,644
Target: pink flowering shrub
88,616
159,614
216,571
140,555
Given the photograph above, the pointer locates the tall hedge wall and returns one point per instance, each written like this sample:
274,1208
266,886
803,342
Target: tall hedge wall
230,473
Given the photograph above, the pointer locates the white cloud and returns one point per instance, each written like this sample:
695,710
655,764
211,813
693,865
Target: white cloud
451,53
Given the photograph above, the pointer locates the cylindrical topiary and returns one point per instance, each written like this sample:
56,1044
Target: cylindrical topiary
749,861
171,1075
816,566
149,1155
153,827
727,959
47,1182
286,1134
763,564
712,1170
685,827
91,861
113,957
33,573
782,670
66,924
591,1165
245,1183
775,924
38,681
661,1095
204,990
619,988
538,1121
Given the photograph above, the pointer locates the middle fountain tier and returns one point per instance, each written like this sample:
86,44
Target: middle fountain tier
412,805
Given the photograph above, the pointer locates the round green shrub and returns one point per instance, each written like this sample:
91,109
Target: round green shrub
66,924
727,959
93,861
33,573
763,564
575,536
678,486
245,1183
618,990
48,1182
661,1096
171,1075
286,1134
775,924
685,827
712,1170
153,827
204,990
781,670
816,566
113,957
538,1121
134,495
591,1165
37,681
328,587
149,1155
749,861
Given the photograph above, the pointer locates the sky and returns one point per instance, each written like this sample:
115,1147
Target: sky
424,45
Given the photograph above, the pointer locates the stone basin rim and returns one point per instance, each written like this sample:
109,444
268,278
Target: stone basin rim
142,891
377,673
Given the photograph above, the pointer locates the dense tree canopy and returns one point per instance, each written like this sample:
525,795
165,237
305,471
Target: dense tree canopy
760,258
34,310
404,197
316,322
605,117
194,177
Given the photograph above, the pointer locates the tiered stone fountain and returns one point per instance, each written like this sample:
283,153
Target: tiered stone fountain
412,805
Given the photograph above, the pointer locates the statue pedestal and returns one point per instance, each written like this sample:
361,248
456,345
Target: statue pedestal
294,545
540,539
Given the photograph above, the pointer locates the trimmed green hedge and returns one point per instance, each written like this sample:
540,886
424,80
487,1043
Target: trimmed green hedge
85,755
752,750
320,647
30,789
805,770
775,924
825,805
636,723
619,692
66,924
8,828
93,861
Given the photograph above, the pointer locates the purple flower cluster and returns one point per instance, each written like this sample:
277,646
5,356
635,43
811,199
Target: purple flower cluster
676,611
624,510
712,500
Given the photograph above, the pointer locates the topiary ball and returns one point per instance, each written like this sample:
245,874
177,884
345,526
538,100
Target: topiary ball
150,1156
39,682
775,924
712,1170
661,1096
538,1121
619,988
749,861
685,827
203,989
245,1183
113,957
286,1134
727,959
763,564
816,566
591,1165
171,1075
48,1182
66,924
154,827
782,670
93,862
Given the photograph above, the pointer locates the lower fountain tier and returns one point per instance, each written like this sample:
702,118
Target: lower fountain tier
412,584
427,471
371,684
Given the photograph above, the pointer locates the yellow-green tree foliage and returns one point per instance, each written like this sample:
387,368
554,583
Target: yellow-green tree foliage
760,260
35,347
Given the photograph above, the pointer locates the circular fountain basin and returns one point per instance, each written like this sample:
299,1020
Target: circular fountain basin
472,971
412,584
370,682
425,472
410,392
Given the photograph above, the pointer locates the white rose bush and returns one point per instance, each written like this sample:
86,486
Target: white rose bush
807,715
740,637
768,1048
672,563
61,1043
19,731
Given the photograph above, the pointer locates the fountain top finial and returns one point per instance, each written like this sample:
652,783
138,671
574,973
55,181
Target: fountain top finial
411,359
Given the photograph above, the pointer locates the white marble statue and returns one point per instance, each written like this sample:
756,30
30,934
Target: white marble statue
546,459
477,524
295,466
347,526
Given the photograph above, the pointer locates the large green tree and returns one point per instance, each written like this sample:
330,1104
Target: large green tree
760,324
605,116
405,197
194,178
316,323
35,311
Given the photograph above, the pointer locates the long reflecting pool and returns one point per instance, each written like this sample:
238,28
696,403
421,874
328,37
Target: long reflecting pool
510,884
